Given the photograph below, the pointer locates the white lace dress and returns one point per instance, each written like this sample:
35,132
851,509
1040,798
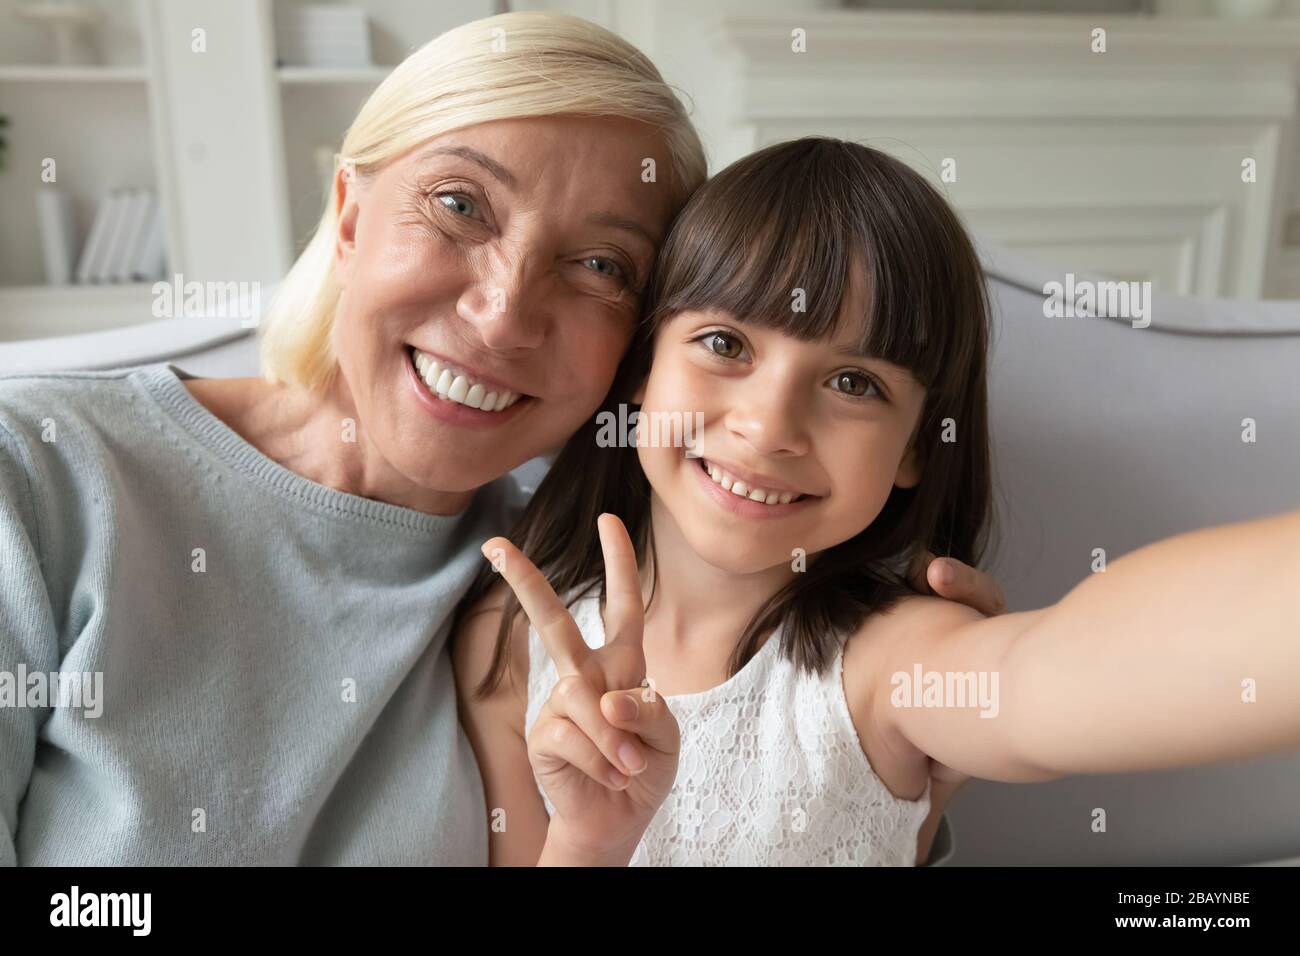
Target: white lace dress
771,772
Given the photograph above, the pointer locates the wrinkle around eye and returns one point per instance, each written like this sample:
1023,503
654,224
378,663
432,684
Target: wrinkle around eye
414,208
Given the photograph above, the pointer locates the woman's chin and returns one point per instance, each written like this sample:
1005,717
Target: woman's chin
453,477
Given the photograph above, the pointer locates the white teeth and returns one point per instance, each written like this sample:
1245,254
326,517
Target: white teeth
743,490
431,372
454,386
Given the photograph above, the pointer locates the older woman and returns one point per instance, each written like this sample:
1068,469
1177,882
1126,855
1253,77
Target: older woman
252,580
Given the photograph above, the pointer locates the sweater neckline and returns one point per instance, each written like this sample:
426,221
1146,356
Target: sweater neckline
165,383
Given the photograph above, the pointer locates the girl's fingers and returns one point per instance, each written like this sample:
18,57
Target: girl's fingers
645,714
552,620
575,700
557,740
624,611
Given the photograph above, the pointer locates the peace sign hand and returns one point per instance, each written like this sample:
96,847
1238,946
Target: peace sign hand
604,748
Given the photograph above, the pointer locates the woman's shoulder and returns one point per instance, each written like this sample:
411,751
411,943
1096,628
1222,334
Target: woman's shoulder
36,406
40,411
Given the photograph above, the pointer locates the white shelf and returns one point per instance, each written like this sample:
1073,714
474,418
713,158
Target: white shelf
309,75
37,73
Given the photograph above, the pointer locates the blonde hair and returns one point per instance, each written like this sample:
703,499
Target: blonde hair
550,64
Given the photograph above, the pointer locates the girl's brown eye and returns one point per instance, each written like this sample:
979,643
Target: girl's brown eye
851,384
718,344
854,385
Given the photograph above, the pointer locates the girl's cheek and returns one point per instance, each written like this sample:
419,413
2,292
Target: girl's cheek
687,391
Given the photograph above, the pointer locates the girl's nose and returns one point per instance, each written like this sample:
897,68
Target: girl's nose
769,416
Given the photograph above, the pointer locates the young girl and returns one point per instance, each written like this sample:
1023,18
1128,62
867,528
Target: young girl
784,697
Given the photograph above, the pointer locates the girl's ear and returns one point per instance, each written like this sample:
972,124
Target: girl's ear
909,469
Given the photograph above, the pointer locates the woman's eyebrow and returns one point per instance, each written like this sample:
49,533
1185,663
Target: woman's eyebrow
505,176
616,221
473,155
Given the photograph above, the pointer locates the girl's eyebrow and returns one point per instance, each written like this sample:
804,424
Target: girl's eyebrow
890,369
852,351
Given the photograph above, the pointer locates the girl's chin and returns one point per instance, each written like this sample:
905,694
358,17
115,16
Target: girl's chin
733,548
751,563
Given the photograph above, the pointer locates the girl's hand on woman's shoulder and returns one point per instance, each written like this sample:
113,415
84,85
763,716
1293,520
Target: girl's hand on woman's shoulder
604,748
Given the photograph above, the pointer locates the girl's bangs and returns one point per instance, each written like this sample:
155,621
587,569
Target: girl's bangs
775,243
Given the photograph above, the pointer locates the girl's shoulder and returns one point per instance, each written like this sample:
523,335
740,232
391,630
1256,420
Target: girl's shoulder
473,650
880,646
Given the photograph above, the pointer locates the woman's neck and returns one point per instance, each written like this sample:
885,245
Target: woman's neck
697,607
304,431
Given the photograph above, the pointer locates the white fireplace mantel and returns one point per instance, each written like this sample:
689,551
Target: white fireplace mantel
1127,162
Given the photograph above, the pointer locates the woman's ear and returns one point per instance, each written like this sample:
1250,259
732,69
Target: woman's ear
345,201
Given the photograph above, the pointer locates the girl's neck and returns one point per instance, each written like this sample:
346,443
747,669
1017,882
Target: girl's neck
697,607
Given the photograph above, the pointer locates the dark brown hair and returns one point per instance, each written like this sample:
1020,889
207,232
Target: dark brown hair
800,215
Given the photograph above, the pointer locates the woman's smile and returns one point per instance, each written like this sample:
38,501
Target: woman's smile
452,401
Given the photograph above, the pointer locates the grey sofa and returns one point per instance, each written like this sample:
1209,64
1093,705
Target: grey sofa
1105,436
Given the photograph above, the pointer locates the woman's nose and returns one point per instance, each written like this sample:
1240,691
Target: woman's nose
502,306
769,416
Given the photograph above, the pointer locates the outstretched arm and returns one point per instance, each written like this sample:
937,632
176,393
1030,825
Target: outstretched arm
1183,652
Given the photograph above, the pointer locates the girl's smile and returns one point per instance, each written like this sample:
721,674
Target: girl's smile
746,500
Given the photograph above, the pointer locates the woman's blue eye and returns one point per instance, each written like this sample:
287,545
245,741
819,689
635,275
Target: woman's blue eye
605,267
459,203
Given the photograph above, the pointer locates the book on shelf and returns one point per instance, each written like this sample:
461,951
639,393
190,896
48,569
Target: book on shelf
126,242
119,211
58,230
86,264
123,259
149,260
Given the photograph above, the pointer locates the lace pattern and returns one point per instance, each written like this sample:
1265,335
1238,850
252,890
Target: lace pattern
771,772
